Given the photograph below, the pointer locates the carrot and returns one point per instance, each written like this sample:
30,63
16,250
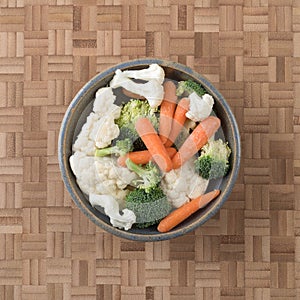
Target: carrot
154,144
132,95
171,151
183,212
178,120
141,157
167,109
196,140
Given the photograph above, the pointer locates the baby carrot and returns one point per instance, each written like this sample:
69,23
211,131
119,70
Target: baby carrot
167,109
196,140
132,95
183,212
171,151
178,120
141,157
154,144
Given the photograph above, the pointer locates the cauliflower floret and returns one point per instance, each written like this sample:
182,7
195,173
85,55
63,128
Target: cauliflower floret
169,185
196,187
103,116
154,71
115,111
152,90
84,143
111,209
200,107
103,101
84,170
183,184
107,130
100,175
190,125
112,179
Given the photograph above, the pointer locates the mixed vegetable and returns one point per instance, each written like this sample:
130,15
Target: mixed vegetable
130,112
149,161
213,162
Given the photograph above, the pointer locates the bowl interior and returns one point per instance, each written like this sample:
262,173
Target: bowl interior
81,107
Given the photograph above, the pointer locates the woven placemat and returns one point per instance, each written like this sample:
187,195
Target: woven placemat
250,49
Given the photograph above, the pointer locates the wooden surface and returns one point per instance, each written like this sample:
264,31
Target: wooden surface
249,49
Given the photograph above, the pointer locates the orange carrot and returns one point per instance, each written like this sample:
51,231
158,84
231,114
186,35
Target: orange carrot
141,157
183,212
154,144
171,151
178,120
167,109
132,95
196,140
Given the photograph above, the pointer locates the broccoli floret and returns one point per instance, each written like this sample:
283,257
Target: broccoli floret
130,112
213,161
121,147
149,207
149,175
188,87
135,109
129,131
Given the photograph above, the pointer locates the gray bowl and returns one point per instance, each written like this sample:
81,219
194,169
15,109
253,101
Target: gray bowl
75,117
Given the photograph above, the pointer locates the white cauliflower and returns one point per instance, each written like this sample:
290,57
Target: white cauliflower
84,143
107,130
200,107
102,120
111,209
112,179
101,175
84,169
104,103
154,71
181,185
152,90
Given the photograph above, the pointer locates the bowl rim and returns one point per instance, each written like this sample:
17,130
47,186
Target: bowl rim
63,160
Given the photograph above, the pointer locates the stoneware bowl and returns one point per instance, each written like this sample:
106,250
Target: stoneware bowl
75,117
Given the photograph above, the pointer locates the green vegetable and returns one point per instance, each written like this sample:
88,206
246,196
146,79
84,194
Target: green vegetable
129,131
149,207
213,161
135,109
188,87
121,147
130,112
149,175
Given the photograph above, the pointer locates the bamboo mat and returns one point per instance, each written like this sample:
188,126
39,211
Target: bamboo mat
249,49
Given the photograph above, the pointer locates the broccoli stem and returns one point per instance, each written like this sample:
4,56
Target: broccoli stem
106,151
121,148
149,174
135,168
